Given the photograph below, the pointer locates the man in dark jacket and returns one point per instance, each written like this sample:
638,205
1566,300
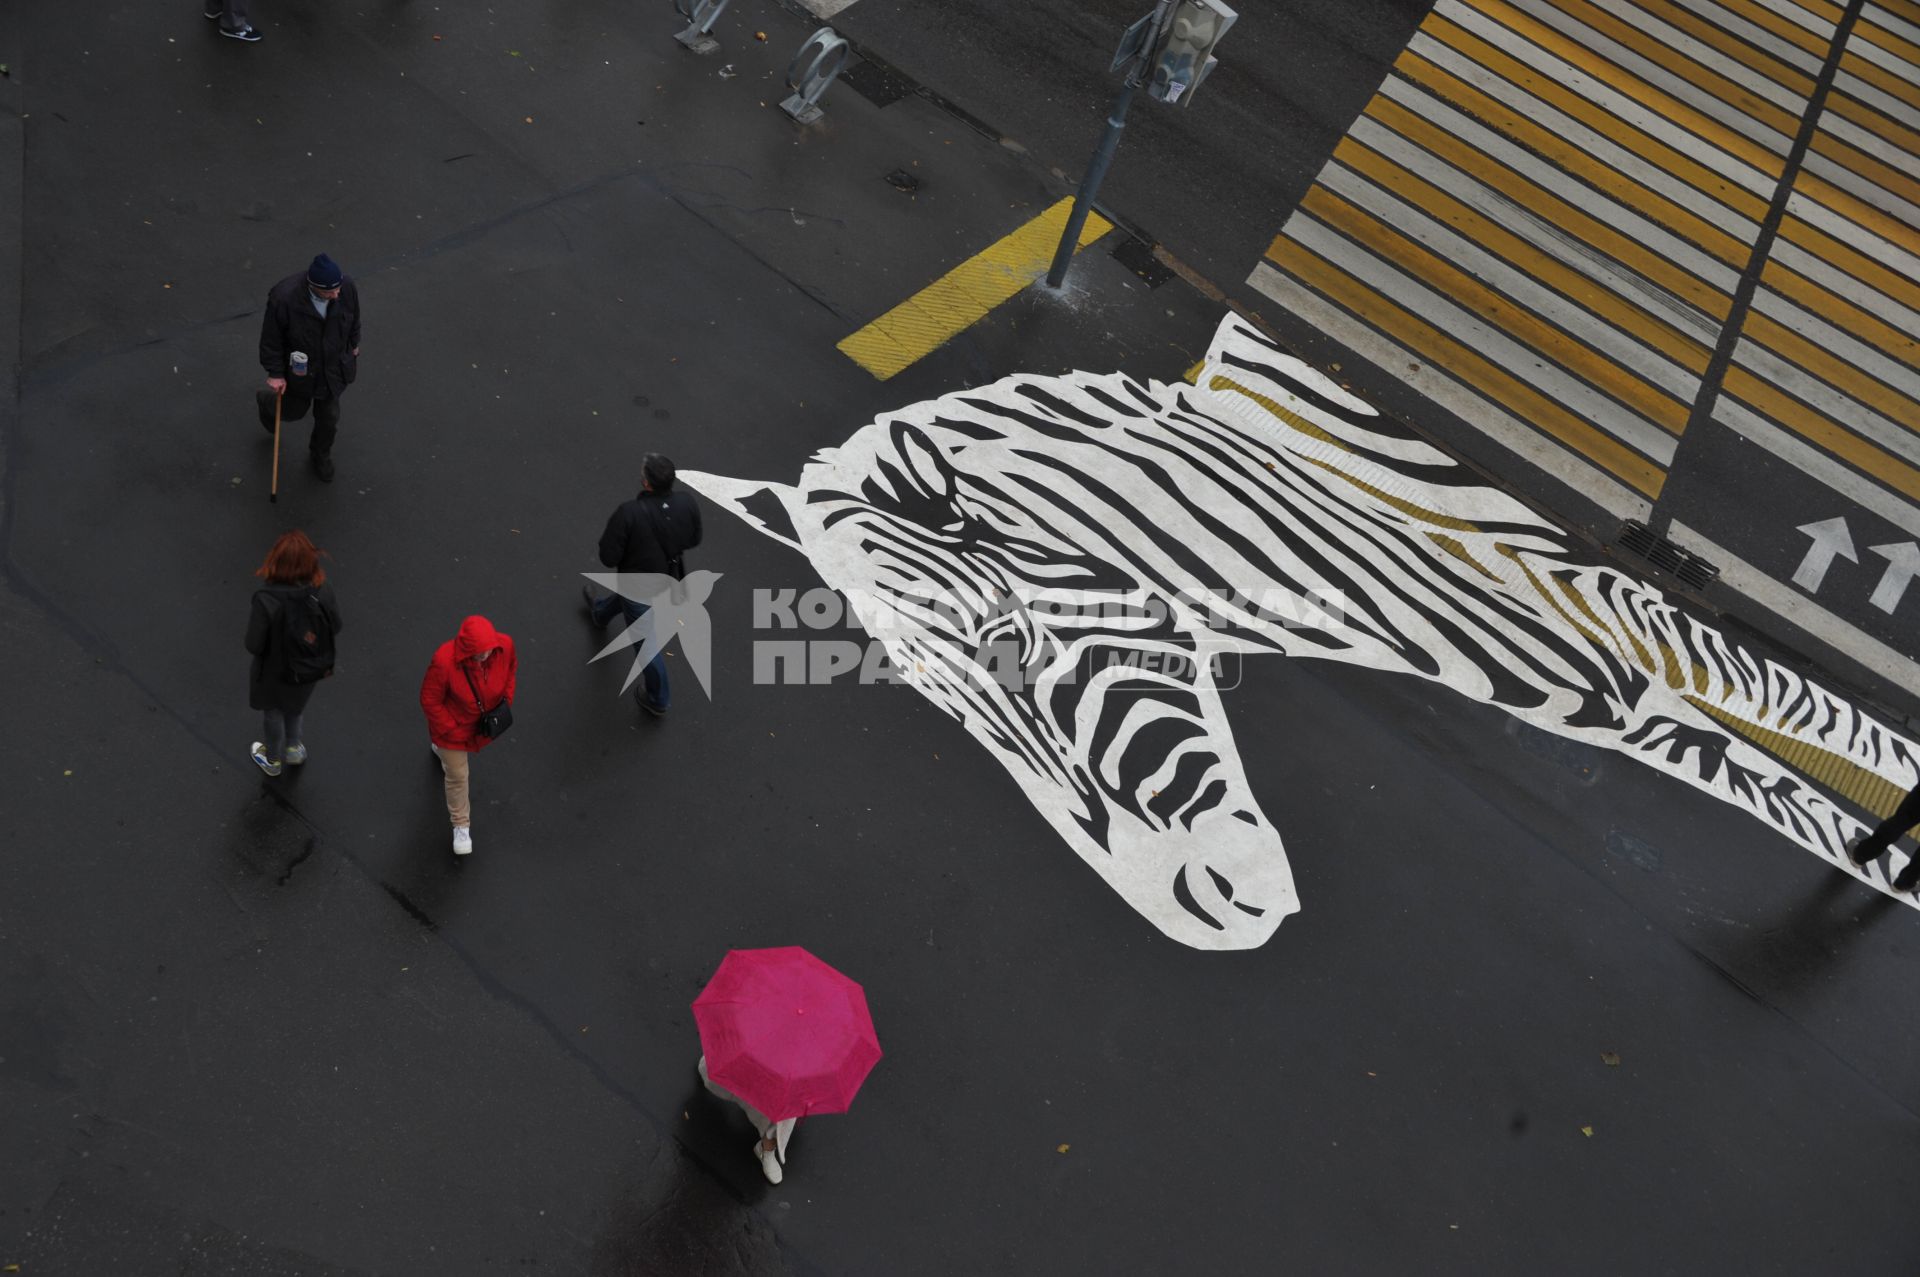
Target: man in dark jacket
1881,840
317,314
648,534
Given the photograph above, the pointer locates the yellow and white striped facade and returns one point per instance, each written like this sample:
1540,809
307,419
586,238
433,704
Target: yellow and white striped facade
1544,217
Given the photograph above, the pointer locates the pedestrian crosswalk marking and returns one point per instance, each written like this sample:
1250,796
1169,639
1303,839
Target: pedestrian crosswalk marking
1550,205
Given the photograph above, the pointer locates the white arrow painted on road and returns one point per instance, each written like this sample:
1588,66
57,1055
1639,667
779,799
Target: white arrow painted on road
1830,537
1903,561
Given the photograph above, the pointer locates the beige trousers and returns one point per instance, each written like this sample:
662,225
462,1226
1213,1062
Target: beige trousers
779,1132
456,765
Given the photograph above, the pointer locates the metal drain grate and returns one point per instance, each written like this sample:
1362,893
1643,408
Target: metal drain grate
1690,569
1137,256
879,85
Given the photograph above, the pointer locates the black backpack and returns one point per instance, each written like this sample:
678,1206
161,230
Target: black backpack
306,639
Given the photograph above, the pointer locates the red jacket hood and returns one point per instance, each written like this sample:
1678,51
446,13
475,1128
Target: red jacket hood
476,636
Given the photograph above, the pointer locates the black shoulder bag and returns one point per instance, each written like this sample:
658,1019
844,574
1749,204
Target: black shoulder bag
676,560
493,722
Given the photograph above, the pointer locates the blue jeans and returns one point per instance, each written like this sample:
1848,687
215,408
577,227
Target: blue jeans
654,689
279,730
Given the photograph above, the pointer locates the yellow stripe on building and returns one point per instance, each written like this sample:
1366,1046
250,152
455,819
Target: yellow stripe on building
965,295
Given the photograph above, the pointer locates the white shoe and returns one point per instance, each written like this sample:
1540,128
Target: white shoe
769,1163
462,841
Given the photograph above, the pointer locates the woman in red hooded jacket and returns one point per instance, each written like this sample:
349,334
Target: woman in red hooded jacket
468,676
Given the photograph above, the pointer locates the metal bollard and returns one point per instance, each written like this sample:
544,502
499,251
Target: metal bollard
702,14
830,54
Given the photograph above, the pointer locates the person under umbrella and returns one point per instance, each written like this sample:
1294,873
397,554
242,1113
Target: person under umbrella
784,1035
772,1147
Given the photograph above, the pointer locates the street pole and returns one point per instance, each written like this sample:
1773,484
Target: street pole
1103,154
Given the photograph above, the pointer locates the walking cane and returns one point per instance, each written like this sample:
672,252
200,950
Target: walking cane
273,493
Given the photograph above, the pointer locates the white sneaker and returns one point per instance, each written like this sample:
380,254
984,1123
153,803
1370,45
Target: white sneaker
769,1163
462,841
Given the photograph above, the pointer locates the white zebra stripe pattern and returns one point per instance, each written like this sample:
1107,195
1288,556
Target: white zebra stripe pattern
987,519
1549,205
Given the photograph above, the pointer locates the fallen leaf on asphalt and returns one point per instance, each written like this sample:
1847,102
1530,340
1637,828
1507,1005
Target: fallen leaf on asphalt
529,119
513,53
436,37
1610,1058
67,772
1063,1148
760,36
1587,1131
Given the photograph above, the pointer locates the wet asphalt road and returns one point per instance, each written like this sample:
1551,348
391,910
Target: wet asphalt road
274,1027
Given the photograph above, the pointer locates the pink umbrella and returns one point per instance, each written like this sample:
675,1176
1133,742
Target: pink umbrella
786,1032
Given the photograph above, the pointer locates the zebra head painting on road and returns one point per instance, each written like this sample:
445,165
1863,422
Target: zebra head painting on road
1212,512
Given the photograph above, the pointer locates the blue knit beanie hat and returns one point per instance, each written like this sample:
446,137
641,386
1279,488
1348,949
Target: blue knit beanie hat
323,273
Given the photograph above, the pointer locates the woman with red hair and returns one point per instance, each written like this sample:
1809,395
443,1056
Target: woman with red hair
290,634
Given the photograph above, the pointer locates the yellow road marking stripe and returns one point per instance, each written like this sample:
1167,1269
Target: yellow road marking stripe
1556,212
1870,32
1903,9
1767,399
1549,270
1855,383
1729,45
1858,162
1662,104
1829,13
964,295
1888,82
1862,116
1894,342
1682,67
1584,109
1468,368
1499,311
1783,27
1567,156
1836,772
1845,258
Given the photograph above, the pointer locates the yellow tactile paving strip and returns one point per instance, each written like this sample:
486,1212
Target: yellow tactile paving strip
964,295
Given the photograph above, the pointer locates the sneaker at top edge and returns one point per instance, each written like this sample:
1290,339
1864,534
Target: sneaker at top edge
294,755
769,1164
258,753
462,841
247,33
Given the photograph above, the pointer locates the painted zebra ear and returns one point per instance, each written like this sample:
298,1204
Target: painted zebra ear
766,506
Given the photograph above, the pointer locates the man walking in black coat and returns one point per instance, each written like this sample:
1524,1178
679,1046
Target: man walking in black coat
1881,840
317,315
648,534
